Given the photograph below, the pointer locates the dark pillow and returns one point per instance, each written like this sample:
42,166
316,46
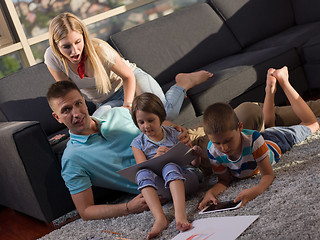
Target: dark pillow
36,109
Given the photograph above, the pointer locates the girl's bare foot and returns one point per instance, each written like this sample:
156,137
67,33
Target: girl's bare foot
182,224
157,228
189,80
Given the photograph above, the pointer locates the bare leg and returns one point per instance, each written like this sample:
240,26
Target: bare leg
179,202
268,106
189,80
152,199
299,106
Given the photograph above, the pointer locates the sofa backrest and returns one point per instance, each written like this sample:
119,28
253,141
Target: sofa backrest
254,20
173,43
23,97
306,11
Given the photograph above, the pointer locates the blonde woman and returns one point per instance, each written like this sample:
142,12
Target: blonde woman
101,74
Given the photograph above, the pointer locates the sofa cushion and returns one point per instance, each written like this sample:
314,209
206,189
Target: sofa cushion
31,82
306,11
240,73
313,72
293,37
310,52
254,20
180,42
297,80
36,109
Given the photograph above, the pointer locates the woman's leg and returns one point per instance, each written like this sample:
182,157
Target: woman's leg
174,97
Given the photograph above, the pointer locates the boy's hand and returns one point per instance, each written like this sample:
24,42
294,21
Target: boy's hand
198,151
246,196
208,198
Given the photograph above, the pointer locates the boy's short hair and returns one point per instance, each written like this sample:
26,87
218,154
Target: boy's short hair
60,89
219,118
150,103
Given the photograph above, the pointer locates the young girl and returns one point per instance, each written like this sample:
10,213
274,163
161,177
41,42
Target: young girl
101,74
148,114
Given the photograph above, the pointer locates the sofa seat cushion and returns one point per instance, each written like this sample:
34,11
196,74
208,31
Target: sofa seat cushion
180,42
238,74
310,52
294,37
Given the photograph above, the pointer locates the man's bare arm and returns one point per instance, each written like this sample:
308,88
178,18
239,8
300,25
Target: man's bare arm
84,203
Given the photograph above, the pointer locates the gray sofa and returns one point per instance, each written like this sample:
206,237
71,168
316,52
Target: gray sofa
237,40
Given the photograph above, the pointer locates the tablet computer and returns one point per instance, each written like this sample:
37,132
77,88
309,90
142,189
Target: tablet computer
221,206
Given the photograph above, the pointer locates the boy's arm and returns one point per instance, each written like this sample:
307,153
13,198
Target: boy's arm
267,177
224,180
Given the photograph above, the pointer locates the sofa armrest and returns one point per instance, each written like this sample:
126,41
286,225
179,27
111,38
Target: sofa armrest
30,179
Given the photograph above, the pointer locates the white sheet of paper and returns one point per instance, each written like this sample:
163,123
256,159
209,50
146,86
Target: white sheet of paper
180,154
217,228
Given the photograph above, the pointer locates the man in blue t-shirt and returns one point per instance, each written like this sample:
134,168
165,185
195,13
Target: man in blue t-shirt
99,146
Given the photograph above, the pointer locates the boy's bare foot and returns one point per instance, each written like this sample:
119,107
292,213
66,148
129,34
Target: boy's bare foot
281,75
189,80
157,228
271,83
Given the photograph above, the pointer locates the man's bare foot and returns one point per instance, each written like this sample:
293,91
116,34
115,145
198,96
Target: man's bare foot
183,224
189,80
271,82
157,228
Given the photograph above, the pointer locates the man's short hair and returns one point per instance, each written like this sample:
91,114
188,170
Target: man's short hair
219,118
60,89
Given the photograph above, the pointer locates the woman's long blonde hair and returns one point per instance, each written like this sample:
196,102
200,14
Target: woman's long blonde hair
59,28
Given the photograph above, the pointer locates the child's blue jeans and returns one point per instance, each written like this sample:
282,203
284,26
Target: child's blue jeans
170,172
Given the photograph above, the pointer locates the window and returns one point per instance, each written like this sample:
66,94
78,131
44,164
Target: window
31,20
5,36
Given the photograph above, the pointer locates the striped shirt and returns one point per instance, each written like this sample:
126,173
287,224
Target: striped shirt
254,150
